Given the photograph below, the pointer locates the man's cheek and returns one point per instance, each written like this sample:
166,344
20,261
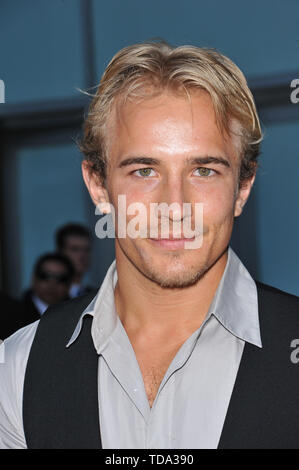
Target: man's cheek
217,215
219,201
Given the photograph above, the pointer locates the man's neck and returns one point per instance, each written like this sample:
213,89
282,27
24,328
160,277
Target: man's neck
143,305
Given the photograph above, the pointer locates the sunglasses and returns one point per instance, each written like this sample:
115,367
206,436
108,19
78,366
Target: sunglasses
59,278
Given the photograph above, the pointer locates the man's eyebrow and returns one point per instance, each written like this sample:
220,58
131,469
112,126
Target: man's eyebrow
138,160
204,160
207,159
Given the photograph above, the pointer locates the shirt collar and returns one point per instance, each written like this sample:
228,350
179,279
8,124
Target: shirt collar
235,305
39,304
76,290
103,304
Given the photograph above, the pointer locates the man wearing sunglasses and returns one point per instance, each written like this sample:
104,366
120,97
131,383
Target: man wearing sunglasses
51,280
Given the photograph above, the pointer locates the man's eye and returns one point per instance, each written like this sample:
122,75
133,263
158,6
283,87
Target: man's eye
203,171
144,172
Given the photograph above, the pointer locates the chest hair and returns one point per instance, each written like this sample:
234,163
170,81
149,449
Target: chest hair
153,370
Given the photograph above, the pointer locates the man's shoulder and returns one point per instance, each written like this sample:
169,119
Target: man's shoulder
15,353
278,315
58,323
276,298
20,340
18,345
70,307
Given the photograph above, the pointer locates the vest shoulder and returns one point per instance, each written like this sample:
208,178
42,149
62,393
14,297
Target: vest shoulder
276,294
69,307
58,323
278,303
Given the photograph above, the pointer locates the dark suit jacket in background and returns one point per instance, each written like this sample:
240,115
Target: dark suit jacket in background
29,311
10,316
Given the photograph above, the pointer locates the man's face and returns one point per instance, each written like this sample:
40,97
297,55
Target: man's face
52,283
172,132
77,249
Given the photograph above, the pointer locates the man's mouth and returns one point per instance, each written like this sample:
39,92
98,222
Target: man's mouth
171,243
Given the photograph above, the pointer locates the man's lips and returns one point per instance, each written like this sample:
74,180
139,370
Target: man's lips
171,239
171,243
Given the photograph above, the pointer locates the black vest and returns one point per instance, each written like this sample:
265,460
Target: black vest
60,401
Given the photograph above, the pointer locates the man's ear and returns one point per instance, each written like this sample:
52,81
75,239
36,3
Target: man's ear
243,195
97,191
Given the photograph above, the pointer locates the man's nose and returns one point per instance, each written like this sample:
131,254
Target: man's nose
174,193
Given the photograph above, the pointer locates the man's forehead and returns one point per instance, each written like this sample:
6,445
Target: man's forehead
168,121
77,241
165,100
53,265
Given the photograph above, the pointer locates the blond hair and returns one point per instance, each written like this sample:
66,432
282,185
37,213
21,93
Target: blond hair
145,69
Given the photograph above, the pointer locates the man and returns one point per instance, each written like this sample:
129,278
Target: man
52,275
51,280
180,348
74,241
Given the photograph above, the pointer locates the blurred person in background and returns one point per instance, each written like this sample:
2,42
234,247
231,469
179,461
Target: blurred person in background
74,241
52,277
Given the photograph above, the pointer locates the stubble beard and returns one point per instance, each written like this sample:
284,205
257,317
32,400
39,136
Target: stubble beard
175,276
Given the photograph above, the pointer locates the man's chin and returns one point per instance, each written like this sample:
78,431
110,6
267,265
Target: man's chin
168,269
173,280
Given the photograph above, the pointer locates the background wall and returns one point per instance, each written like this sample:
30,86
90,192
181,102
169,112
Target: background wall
50,50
